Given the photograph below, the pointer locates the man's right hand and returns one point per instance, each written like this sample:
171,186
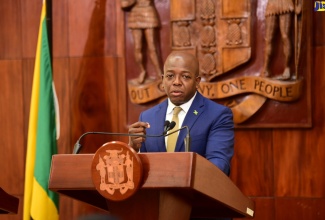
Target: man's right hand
140,129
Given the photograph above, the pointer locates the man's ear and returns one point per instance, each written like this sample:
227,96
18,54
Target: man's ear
198,80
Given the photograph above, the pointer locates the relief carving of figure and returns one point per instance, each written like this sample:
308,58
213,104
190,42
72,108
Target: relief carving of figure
279,13
142,21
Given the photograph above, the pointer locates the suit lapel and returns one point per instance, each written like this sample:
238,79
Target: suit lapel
192,115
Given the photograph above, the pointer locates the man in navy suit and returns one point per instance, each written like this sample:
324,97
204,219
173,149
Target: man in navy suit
210,124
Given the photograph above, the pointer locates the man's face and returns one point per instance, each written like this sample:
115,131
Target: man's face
180,80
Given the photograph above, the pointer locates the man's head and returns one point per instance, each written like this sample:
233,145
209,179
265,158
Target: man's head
181,77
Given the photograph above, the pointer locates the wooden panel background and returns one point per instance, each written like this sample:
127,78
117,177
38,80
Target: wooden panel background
282,170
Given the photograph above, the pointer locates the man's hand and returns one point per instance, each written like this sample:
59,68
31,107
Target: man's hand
140,129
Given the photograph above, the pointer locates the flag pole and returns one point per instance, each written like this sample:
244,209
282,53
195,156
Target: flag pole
49,25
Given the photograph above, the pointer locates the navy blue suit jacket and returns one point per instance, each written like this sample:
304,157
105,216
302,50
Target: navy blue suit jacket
211,131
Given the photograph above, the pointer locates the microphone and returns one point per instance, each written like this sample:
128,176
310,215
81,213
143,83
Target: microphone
171,126
167,126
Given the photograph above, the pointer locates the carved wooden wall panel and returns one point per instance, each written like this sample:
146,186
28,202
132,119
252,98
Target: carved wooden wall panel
238,67
162,42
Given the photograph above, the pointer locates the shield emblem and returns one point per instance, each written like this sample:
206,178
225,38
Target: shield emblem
216,31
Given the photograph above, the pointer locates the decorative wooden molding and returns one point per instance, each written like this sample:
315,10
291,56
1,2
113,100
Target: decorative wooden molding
245,62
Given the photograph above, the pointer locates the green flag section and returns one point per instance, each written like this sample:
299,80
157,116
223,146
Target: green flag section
39,202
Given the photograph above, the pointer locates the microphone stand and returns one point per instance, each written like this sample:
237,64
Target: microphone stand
187,139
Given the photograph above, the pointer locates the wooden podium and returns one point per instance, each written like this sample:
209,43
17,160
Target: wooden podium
175,186
8,203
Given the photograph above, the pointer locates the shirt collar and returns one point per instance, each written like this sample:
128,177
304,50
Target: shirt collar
185,107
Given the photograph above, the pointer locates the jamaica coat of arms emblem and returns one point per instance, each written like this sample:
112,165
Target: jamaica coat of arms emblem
116,171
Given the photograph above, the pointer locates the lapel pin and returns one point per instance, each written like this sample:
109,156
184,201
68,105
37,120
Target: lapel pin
195,112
